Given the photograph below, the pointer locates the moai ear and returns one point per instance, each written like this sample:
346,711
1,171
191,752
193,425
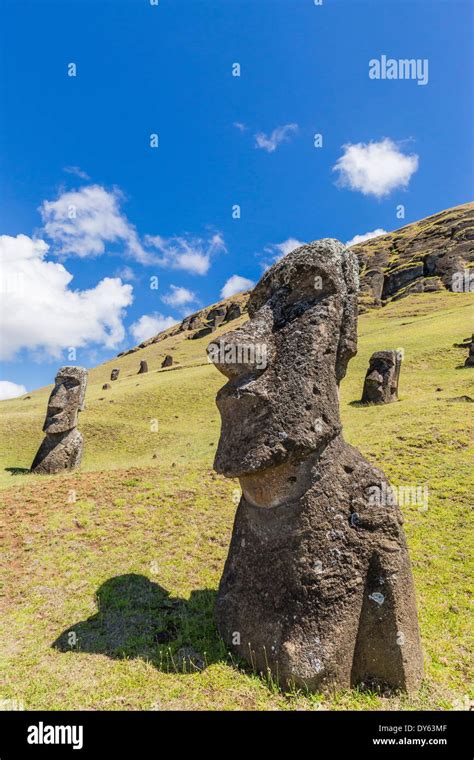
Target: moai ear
347,347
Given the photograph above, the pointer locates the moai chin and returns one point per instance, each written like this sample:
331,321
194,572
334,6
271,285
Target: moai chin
61,449
317,585
381,379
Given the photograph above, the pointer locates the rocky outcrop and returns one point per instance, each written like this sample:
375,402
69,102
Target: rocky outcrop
201,323
317,585
422,257
62,447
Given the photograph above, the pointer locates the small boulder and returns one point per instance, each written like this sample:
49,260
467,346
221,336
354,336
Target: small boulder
106,387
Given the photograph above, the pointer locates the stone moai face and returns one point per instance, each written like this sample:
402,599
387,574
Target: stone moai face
317,583
284,366
66,400
381,380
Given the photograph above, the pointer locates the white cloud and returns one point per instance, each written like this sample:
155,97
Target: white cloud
279,135
240,126
81,222
178,296
236,284
10,390
41,312
375,168
150,325
281,249
77,171
366,236
187,253
126,273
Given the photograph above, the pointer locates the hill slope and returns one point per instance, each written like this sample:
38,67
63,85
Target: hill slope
420,257
127,552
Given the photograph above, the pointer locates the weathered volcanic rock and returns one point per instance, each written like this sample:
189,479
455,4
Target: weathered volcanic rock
317,585
143,367
202,333
114,374
62,447
381,380
421,257
470,359
167,361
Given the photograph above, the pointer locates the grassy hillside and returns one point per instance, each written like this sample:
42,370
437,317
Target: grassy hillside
110,573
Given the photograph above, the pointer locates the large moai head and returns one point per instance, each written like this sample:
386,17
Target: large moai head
381,380
66,400
284,365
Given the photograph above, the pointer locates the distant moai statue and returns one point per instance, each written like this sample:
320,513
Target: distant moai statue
143,367
114,374
167,361
317,585
106,387
381,380
470,359
62,447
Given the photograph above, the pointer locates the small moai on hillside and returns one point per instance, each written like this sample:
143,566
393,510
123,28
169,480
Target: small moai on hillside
143,367
106,387
114,374
470,359
62,447
167,361
317,585
381,380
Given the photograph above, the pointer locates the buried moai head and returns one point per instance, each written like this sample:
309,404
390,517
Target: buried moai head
61,448
66,400
284,366
381,380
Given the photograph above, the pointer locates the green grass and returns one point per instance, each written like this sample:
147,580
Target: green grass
127,552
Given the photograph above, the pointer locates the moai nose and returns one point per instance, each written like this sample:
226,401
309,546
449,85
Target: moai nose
239,353
58,397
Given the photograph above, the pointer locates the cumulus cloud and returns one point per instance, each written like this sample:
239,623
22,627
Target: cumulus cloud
41,312
150,325
10,390
178,296
279,135
81,223
236,284
281,249
240,126
366,236
192,254
375,168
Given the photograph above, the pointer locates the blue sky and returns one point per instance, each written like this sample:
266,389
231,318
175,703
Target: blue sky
101,212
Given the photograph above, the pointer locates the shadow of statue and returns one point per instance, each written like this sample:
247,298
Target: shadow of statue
17,470
138,618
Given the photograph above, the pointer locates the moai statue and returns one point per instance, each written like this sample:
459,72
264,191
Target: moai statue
470,359
167,361
62,447
143,367
381,380
317,585
114,374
